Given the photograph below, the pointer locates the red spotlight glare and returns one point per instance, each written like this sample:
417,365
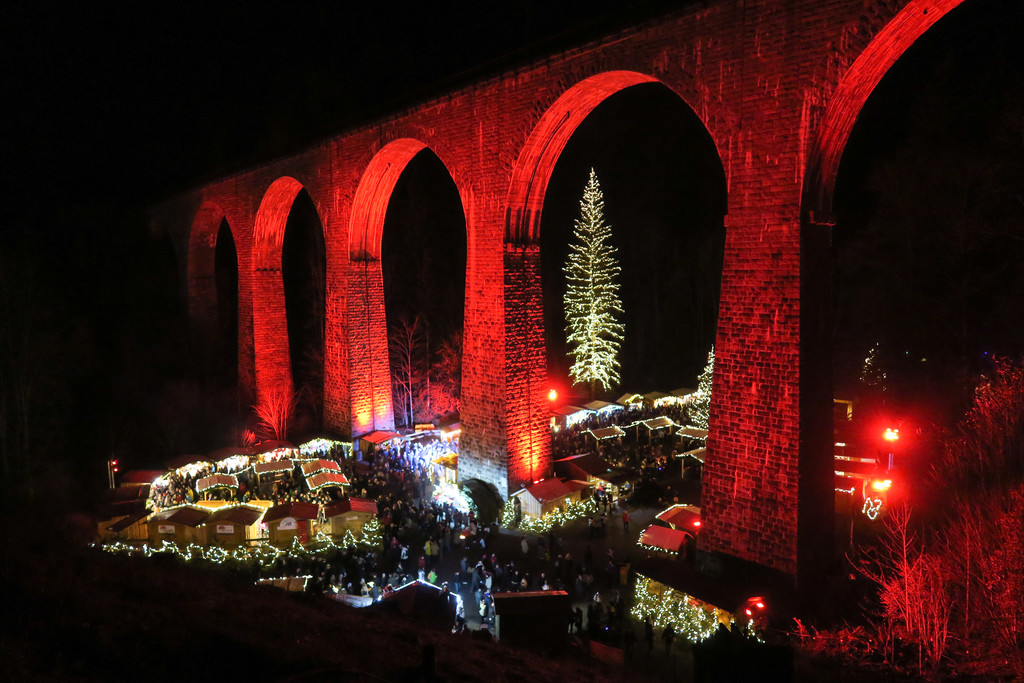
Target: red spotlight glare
697,523
881,484
749,613
891,434
760,605
552,395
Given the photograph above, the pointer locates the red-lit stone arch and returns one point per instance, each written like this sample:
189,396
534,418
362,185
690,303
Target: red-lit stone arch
269,315
202,247
370,369
529,448
851,93
537,161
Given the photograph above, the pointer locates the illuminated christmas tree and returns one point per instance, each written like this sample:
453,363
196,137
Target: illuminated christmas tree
700,409
592,301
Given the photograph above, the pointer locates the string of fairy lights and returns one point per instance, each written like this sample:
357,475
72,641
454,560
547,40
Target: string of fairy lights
571,511
690,618
263,553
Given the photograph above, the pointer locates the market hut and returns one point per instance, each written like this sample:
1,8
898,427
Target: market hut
662,539
564,417
349,514
681,517
131,527
287,521
326,480
657,399
233,525
179,525
597,472
208,486
368,443
533,619
602,433
603,408
449,467
269,472
543,497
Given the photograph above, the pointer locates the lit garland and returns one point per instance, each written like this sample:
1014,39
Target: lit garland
573,510
691,619
654,547
872,508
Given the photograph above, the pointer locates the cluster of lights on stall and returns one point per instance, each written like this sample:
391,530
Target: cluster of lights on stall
573,510
693,620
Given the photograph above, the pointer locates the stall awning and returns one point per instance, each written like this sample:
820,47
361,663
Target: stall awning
326,479
217,481
602,406
379,437
236,514
315,466
297,510
682,517
692,432
697,453
340,507
547,490
449,460
663,538
626,399
606,432
125,522
658,423
189,516
274,466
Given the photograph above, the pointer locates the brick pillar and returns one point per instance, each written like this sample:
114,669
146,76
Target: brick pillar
483,452
751,475
337,384
270,332
369,365
529,439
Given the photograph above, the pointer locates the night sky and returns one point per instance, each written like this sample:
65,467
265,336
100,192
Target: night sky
108,112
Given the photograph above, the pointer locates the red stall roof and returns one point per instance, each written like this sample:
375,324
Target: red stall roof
663,538
294,509
321,465
340,507
326,479
686,517
379,437
274,466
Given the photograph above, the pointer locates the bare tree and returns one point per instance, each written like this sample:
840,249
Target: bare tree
273,411
404,342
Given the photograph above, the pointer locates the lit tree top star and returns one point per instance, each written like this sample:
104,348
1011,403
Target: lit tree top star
592,303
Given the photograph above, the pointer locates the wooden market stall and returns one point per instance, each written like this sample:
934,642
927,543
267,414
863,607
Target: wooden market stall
544,496
287,521
233,525
178,524
349,514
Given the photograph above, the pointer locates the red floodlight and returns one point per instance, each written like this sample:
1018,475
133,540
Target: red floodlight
881,485
891,434
552,395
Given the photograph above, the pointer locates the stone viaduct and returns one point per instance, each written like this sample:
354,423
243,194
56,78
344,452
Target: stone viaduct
778,85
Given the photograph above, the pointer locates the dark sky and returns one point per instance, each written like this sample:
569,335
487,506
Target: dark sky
137,100
108,110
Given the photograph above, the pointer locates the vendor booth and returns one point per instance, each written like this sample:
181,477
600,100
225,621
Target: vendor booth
662,539
217,485
681,517
288,521
543,497
597,473
132,527
564,417
368,443
178,525
602,433
233,525
349,514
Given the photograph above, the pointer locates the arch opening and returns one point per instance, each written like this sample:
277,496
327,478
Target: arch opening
304,275
423,254
927,249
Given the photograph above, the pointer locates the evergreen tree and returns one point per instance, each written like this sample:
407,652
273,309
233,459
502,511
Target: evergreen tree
592,299
700,410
